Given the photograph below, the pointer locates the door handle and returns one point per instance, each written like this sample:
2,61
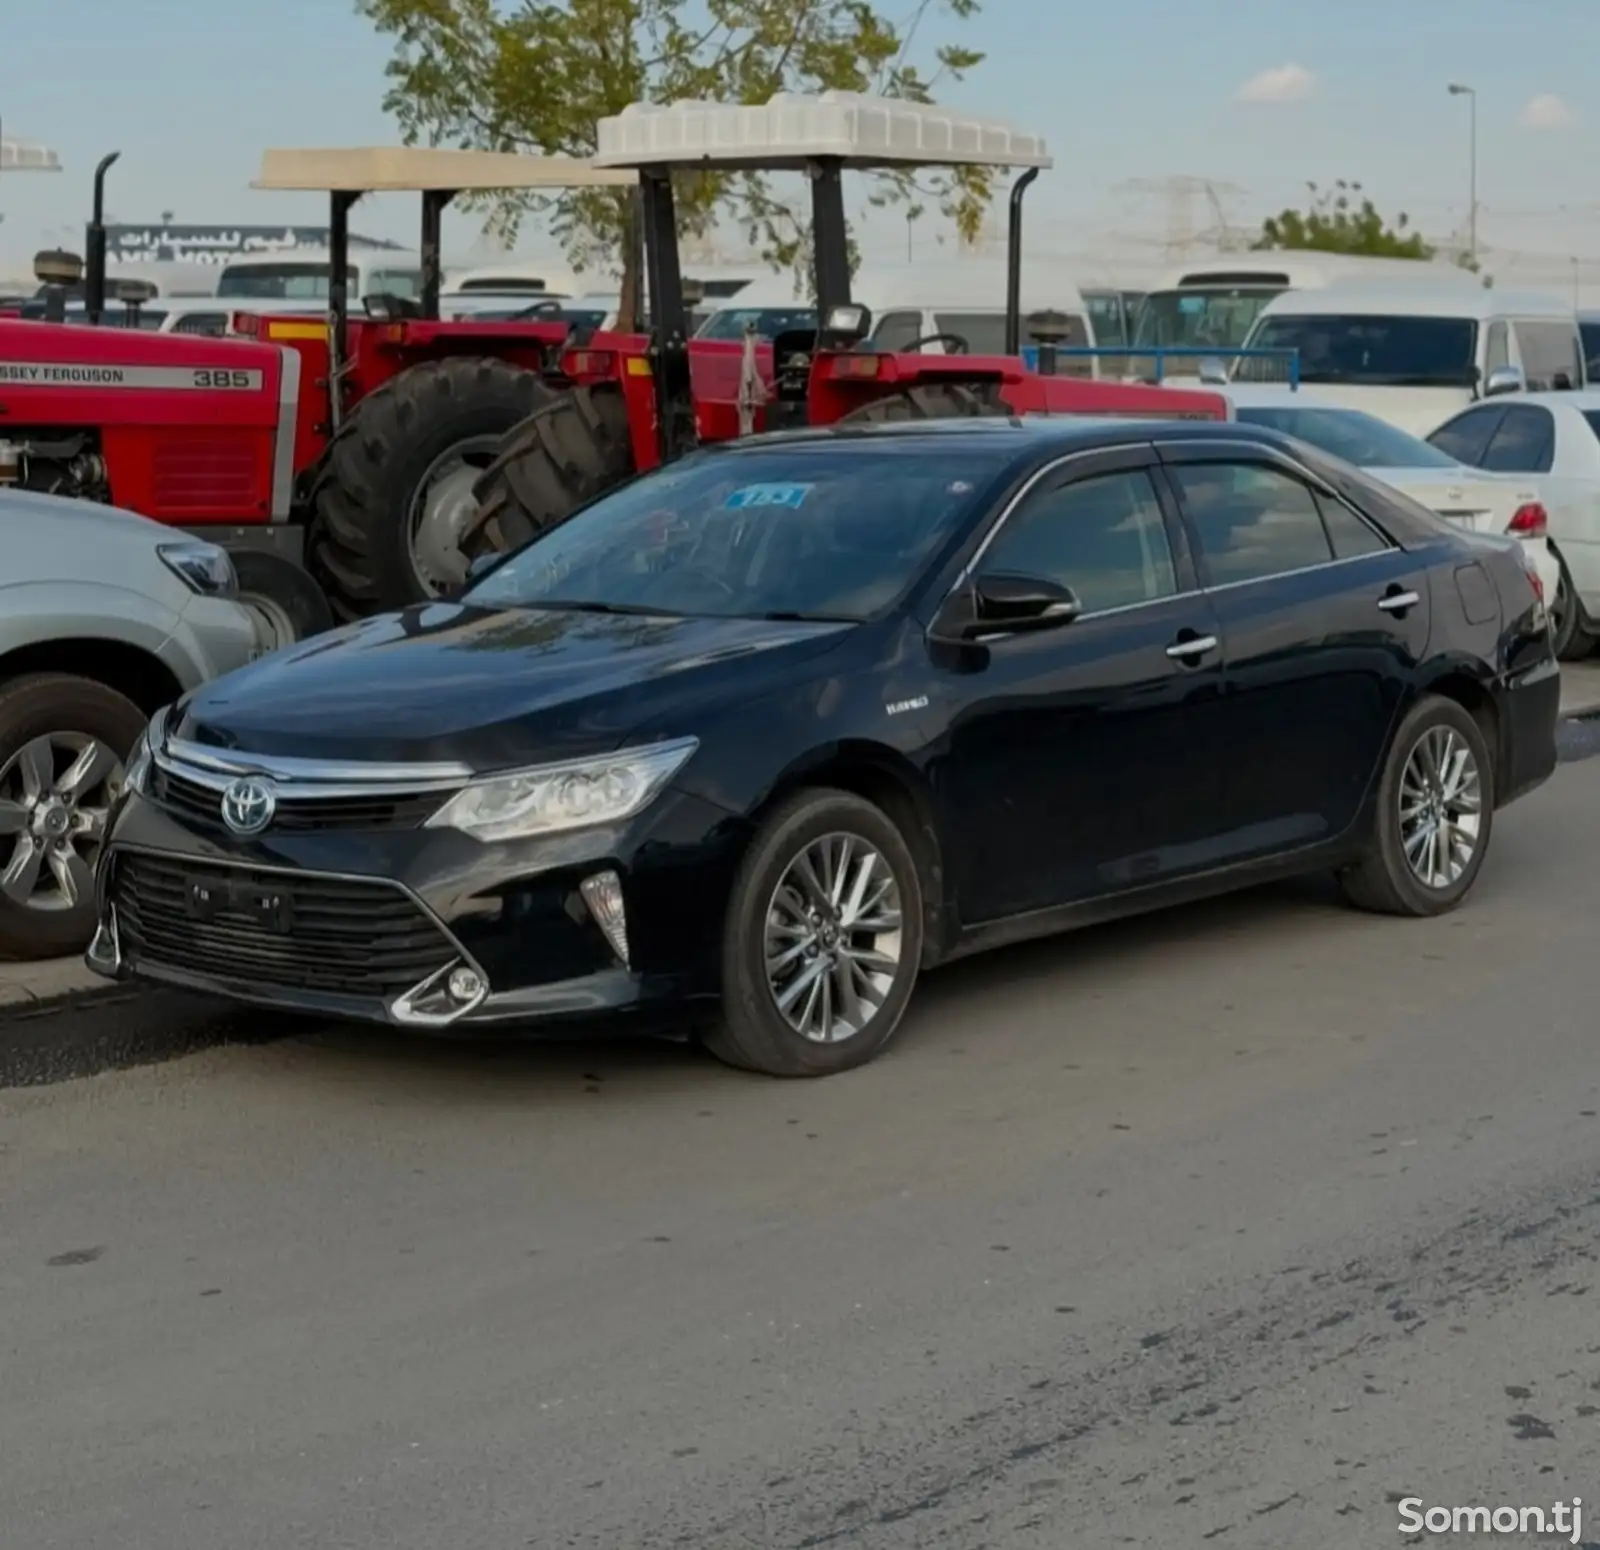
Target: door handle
1195,646
1398,602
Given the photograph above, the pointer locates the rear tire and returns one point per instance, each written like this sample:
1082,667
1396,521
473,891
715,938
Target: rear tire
883,925
1390,877
368,542
285,600
1569,632
933,401
567,452
56,716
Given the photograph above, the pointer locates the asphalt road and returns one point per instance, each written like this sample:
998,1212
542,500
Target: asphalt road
1227,1227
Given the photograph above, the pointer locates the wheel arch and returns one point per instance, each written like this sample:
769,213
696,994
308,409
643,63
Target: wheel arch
1471,691
134,673
889,780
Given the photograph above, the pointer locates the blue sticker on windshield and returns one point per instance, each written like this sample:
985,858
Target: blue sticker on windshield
1191,304
792,496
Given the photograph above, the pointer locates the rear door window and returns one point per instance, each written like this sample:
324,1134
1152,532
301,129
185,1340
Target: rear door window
1251,521
1466,438
1524,444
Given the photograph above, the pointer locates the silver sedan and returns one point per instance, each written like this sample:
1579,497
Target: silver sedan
104,618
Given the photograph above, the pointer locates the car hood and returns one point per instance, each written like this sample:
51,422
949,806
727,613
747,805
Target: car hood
492,689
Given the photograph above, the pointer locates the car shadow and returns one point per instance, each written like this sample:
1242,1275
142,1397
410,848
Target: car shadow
958,996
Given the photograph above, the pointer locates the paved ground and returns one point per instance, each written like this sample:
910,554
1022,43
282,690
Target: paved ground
1231,1226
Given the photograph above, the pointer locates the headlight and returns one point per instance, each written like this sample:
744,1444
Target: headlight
136,770
202,567
552,798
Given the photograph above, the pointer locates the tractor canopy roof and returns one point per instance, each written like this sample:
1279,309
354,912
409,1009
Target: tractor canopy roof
414,169
791,131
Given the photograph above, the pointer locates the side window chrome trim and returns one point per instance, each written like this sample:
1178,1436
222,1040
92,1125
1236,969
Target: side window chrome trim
1299,570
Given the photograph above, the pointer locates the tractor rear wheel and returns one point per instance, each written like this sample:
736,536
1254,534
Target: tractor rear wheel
932,401
567,452
393,513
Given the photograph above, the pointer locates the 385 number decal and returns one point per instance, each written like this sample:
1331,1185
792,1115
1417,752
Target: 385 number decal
220,377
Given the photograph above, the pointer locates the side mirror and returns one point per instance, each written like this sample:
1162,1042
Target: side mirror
1505,379
1214,371
1005,604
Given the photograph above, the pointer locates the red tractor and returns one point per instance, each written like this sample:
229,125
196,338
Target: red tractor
637,402
335,457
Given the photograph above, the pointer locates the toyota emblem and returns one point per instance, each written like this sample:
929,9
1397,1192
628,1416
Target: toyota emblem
248,805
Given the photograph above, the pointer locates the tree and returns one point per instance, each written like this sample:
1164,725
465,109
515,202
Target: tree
525,75
1342,220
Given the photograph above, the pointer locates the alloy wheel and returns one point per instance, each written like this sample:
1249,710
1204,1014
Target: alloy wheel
1441,807
56,794
833,938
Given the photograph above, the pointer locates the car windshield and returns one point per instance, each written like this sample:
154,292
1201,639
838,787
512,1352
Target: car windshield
821,531
1375,350
1592,416
1201,320
769,322
1361,439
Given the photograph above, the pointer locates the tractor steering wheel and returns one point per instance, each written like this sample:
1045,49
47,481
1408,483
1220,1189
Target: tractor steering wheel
953,344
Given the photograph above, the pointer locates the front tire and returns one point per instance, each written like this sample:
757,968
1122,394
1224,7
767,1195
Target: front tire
1435,814
284,600
822,942
63,743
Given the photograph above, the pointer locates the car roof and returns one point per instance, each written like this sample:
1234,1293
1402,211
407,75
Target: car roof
1415,298
1572,398
1026,437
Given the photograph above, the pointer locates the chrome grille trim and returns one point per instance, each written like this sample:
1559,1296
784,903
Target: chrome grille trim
379,776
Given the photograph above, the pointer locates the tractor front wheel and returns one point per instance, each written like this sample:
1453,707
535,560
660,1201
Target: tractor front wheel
394,519
567,452
933,401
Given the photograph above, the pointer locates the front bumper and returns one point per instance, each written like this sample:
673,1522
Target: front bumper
419,928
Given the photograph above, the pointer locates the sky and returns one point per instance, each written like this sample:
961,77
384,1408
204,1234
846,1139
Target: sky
1257,96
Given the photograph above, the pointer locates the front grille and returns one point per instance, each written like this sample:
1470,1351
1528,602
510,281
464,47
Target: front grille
198,803
283,930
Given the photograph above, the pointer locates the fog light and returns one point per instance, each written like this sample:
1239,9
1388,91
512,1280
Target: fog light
603,894
464,985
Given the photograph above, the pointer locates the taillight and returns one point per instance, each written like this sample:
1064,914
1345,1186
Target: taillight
1530,521
245,323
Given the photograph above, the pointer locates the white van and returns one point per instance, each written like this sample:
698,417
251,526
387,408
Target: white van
1214,305
1414,355
512,277
966,300
938,307
302,275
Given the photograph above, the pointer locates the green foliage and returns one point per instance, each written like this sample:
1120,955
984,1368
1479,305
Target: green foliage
1342,220
523,75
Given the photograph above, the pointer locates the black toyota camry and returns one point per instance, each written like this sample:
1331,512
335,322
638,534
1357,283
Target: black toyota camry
776,728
